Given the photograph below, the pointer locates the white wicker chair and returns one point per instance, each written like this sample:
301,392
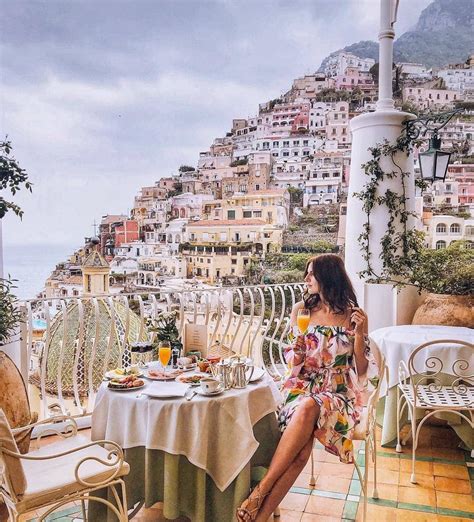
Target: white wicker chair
421,390
62,472
365,431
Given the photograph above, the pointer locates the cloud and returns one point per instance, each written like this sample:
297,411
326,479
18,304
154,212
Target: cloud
100,98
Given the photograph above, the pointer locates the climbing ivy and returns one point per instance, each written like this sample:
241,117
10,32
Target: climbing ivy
401,250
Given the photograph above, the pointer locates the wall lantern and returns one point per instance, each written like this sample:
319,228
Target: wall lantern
434,162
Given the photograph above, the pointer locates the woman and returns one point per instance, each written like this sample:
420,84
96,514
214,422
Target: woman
330,368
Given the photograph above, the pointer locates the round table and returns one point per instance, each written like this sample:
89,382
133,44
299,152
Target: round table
194,456
397,343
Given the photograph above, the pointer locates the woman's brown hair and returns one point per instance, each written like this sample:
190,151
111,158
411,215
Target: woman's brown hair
334,284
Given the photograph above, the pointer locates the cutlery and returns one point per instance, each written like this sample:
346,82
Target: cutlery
191,395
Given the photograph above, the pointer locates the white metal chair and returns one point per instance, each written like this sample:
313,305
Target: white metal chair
365,431
60,472
422,390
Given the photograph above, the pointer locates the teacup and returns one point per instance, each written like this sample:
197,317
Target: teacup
209,385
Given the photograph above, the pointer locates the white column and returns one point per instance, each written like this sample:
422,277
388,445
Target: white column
368,130
388,16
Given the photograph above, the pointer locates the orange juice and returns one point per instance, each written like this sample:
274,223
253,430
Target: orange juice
303,322
164,355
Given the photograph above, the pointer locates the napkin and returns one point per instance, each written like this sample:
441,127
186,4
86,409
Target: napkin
166,389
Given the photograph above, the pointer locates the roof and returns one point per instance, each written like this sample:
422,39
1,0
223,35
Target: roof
95,260
227,222
112,218
73,280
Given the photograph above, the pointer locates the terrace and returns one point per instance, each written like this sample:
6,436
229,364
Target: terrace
67,344
251,321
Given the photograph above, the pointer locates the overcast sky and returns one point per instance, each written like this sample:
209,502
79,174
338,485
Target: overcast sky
101,97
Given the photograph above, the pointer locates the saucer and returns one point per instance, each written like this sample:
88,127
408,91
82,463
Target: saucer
211,394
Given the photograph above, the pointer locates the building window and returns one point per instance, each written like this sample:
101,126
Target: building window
441,228
234,261
455,228
231,214
247,214
257,213
285,154
286,144
257,187
440,245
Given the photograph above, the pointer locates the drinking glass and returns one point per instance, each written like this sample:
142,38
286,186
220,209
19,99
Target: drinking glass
164,353
303,320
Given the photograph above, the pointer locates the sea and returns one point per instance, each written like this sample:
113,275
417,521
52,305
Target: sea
31,265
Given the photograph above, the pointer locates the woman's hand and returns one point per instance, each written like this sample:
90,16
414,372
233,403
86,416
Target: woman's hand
359,318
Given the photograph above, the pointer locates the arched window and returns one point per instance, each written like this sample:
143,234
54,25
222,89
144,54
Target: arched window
441,228
455,228
440,245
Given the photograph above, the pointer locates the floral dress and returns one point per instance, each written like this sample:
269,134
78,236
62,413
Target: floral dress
328,374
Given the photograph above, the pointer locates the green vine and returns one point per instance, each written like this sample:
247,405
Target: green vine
401,250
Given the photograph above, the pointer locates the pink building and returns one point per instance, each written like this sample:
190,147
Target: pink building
464,175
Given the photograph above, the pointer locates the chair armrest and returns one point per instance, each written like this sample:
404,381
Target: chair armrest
69,429
114,458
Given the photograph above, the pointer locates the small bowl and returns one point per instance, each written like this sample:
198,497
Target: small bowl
203,365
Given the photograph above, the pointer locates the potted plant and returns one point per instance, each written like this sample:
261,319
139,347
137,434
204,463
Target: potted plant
448,277
165,329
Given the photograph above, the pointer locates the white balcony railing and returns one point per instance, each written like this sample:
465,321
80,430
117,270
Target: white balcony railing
83,337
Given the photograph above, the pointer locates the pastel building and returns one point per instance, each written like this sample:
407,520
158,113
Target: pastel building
443,230
336,65
425,98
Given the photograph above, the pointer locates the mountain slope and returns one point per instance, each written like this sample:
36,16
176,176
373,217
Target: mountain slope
443,34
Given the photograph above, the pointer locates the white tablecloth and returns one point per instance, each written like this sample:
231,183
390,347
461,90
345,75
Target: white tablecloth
398,342
214,433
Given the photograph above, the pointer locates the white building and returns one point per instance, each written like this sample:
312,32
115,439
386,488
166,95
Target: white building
337,65
414,71
443,230
458,79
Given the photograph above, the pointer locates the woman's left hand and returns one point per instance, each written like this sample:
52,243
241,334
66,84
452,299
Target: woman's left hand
359,318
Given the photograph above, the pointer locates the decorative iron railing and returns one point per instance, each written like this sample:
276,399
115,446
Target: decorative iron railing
71,342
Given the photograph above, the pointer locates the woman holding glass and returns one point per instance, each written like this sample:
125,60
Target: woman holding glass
330,366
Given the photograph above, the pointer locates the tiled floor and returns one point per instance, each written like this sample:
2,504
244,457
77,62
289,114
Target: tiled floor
444,491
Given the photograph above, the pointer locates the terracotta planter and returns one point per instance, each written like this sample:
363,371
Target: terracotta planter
14,400
446,310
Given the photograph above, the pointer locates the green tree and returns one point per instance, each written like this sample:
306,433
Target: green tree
186,168
12,179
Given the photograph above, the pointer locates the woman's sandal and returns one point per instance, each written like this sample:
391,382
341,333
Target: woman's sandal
255,499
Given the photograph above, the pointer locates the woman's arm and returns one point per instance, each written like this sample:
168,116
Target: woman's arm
359,318
297,347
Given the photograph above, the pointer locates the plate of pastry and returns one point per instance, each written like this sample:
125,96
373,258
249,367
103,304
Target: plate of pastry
128,383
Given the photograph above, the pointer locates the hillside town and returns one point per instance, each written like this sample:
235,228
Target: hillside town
276,182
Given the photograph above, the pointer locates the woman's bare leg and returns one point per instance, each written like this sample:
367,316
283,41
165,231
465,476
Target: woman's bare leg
284,483
296,436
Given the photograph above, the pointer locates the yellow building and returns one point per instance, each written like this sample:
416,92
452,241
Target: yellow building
222,248
271,206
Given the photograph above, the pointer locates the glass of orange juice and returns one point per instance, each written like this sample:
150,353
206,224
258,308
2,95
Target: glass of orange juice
302,320
164,354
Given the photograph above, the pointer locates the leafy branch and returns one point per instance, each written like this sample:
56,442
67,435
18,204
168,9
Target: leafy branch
401,250
12,179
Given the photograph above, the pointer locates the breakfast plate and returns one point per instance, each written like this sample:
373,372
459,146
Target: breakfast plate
159,375
125,384
210,394
119,373
192,380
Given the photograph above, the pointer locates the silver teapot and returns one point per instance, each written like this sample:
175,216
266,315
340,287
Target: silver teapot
239,371
222,371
